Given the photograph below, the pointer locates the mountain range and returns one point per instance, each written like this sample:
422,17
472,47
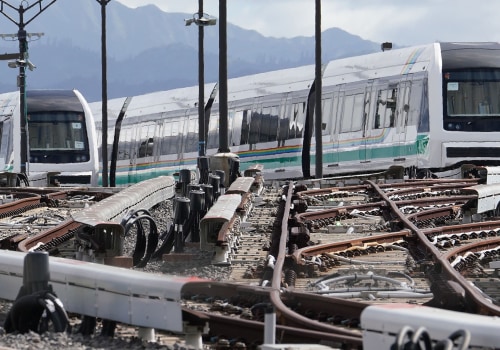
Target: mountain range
147,49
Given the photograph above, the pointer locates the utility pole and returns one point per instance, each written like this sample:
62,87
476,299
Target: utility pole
104,91
223,115
201,85
319,76
22,63
202,20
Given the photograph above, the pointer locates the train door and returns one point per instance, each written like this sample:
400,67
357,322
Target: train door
145,160
284,120
157,143
297,106
384,123
133,134
351,150
190,144
264,123
126,158
269,122
187,125
235,120
279,122
402,112
240,128
369,106
178,137
337,106
327,125
213,133
171,147
237,124
254,124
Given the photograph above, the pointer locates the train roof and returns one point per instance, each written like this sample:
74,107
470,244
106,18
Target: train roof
159,102
53,101
251,86
390,63
274,82
471,55
380,64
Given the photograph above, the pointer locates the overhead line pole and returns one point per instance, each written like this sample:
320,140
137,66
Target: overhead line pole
22,63
201,85
104,91
318,104
201,21
223,117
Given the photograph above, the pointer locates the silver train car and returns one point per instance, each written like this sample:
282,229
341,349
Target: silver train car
61,139
426,111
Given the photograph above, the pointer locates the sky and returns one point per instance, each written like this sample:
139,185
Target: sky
402,22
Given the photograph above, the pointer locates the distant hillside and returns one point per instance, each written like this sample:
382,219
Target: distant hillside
157,52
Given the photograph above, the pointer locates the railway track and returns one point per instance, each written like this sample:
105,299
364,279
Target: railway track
26,213
318,257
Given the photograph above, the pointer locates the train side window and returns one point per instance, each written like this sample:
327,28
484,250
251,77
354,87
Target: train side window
254,132
369,109
298,120
245,126
124,144
352,116
336,111
385,112
2,148
166,131
423,121
403,102
146,147
6,141
171,138
146,141
283,131
269,124
378,121
348,109
235,127
391,108
213,132
175,139
358,112
192,135
326,110
415,101
284,122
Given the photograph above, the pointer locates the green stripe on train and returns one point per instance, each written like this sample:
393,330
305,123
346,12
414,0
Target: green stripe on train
419,147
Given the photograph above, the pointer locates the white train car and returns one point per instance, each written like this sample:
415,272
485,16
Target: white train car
151,135
429,110
61,139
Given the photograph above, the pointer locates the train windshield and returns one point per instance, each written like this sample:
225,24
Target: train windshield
58,137
472,100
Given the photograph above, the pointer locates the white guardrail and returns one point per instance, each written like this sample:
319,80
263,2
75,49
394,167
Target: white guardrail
112,293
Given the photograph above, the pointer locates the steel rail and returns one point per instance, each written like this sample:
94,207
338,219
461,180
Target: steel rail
475,299
319,249
276,286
